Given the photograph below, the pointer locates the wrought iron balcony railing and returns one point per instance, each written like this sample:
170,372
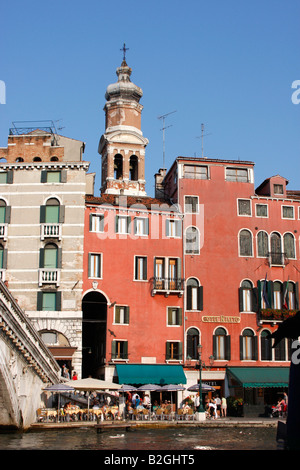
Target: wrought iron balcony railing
167,286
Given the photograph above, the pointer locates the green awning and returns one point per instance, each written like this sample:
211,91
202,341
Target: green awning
260,377
158,374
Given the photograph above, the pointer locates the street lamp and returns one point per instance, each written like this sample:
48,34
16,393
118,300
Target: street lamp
200,407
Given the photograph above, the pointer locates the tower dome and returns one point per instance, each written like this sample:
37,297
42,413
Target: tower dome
123,88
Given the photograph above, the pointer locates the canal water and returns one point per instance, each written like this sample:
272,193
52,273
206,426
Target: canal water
170,439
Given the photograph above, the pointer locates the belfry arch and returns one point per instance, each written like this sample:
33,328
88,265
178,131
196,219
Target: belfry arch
94,320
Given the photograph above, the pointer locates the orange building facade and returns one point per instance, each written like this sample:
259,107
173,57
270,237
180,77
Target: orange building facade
210,260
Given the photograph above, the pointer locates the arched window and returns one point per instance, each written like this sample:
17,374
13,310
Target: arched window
266,346
247,297
50,256
221,344
133,168
277,297
54,159
192,343
248,345
245,242
118,167
289,245
2,211
19,159
276,249
192,241
194,298
262,244
37,159
52,211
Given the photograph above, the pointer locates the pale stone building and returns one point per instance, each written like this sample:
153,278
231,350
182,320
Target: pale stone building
43,184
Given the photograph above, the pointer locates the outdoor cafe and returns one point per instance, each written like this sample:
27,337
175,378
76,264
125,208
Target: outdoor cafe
91,399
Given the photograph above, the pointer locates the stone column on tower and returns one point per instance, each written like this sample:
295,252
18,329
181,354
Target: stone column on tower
122,146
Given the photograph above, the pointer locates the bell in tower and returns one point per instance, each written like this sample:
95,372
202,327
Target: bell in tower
122,147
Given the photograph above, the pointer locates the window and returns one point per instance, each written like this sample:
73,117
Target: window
174,316
248,345
261,210
192,344
194,299
141,226
198,172
276,250
262,244
173,228
50,256
54,176
192,241
288,212
265,346
121,315
5,212
248,298
119,349
289,245
244,207
6,177
173,351
118,167
95,265
3,262
167,274
123,224
133,168
191,205
277,295
290,295
49,301
245,243
221,345
140,268
237,174
278,189
96,223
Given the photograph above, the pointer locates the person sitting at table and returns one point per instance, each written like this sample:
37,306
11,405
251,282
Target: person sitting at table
146,401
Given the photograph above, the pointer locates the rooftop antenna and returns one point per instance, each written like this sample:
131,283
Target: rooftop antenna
163,117
202,135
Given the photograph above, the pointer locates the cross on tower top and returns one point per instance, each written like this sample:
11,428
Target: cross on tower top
124,49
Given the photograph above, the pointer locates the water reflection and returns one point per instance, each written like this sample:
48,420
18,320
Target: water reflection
143,439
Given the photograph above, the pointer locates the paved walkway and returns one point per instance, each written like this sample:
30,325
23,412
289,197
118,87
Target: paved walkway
220,422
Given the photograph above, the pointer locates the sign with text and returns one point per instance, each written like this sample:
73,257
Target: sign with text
220,319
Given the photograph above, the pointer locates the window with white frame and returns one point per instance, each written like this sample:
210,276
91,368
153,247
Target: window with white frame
119,349
174,316
123,224
237,174
261,210
141,226
287,212
121,314
173,228
262,244
194,295
289,245
244,207
199,172
174,350
95,268
140,268
191,204
192,241
248,343
96,223
245,243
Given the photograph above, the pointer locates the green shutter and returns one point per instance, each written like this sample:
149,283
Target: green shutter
43,176
42,214
58,301
10,177
180,351
241,300
189,297
4,258
63,178
117,314
297,295
227,348
254,298
200,298
61,218
180,316
7,214
113,349
126,315
168,350
125,349
39,301
241,348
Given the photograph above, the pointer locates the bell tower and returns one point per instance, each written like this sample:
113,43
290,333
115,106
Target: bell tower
122,146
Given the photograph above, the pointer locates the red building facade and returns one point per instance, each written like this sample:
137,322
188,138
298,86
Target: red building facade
210,260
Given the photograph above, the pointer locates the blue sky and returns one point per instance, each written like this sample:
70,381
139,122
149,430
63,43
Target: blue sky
227,64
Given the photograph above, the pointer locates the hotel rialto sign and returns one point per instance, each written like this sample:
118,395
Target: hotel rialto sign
220,319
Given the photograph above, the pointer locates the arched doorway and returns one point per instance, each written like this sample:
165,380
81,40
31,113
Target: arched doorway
94,315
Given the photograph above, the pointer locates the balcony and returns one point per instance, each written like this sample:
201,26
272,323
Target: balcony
3,232
49,276
167,286
50,231
273,315
2,274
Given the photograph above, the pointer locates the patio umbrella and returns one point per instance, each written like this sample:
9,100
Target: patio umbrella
59,388
205,388
90,385
171,388
150,388
127,388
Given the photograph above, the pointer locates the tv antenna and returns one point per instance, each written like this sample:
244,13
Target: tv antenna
163,117
202,135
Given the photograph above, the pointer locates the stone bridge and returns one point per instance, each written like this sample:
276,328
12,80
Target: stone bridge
26,365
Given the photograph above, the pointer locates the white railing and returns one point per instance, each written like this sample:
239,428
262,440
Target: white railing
50,231
3,231
2,275
49,276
